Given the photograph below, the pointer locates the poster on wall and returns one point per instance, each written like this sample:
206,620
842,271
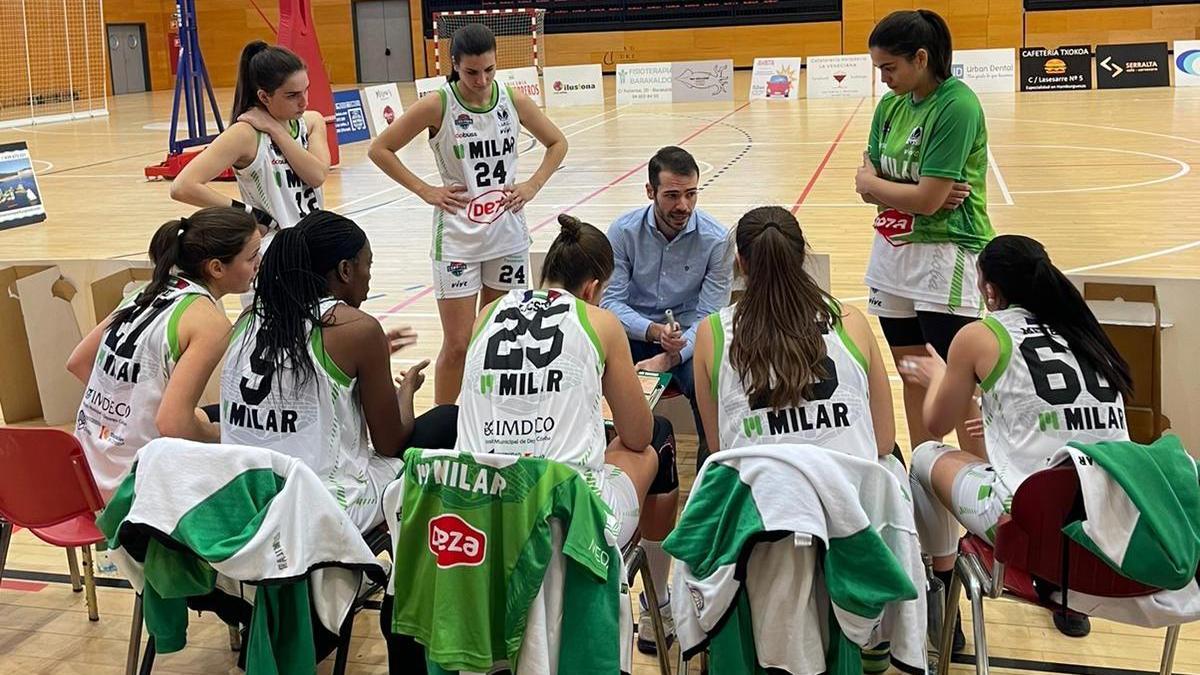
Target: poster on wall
574,85
349,119
776,79
843,76
1062,69
1132,65
1187,63
644,82
702,80
20,196
986,71
383,104
524,79
428,85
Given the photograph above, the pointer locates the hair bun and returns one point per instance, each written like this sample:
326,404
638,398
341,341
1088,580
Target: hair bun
570,227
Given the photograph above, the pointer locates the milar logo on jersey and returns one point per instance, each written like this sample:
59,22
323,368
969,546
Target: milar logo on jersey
1082,418
455,543
486,208
463,121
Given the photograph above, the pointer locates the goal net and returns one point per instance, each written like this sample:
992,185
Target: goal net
54,54
518,33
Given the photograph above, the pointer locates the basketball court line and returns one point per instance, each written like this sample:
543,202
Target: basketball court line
429,289
812,181
1008,200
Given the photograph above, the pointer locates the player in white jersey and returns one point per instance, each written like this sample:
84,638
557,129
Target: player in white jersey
1049,375
480,239
308,373
146,365
788,363
275,145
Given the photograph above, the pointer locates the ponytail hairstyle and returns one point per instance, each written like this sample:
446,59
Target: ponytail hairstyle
262,66
182,247
472,39
779,324
579,254
292,281
904,32
1021,270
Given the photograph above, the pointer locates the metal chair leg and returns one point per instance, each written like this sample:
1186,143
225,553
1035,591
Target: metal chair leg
148,658
6,530
135,637
343,649
73,565
975,592
660,638
949,619
1168,657
89,584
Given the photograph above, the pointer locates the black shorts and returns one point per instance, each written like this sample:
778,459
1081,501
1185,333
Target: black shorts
926,327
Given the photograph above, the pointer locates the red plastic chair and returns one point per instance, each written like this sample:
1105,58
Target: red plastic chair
1032,544
47,487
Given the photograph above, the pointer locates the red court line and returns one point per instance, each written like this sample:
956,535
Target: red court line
600,190
17,585
812,181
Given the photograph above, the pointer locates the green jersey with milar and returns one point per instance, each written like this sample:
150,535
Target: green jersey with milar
474,548
943,135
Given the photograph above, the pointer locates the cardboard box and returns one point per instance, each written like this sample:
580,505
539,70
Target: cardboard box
38,331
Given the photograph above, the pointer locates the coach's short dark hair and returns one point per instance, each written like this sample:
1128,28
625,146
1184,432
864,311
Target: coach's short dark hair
674,159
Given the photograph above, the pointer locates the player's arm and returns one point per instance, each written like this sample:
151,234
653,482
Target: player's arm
424,114
359,341
632,419
924,198
950,385
879,390
203,337
706,401
235,146
83,357
550,136
311,164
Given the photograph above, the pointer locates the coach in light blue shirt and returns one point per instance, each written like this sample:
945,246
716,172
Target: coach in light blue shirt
669,255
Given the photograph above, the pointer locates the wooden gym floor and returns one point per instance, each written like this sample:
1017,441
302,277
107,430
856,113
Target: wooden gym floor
1103,178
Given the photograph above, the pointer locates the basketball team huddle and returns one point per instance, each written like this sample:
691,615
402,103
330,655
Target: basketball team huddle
986,333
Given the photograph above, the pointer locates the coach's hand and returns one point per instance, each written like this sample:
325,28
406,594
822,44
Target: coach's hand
660,363
517,196
449,199
958,194
399,338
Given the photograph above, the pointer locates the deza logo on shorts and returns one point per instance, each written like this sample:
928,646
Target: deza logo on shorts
486,208
455,543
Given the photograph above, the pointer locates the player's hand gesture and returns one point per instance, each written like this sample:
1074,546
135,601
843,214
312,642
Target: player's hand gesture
517,196
261,120
399,338
958,194
449,199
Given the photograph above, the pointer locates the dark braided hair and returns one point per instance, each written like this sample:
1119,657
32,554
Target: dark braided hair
292,281
182,247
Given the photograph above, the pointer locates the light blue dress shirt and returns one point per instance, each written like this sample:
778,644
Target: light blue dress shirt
690,275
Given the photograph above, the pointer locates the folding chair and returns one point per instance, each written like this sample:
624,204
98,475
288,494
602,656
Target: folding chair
636,565
379,542
47,487
1030,545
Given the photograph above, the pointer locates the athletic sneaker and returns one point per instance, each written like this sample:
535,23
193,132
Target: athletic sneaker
645,630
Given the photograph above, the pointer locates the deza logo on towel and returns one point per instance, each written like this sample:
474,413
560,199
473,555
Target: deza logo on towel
454,542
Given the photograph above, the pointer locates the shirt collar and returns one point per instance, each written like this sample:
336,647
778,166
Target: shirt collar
649,221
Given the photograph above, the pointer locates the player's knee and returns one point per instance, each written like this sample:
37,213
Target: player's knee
924,456
666,477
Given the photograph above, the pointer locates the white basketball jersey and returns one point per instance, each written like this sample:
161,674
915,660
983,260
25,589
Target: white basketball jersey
320,423
133,364
1039,396
477,148
838,417
532,383
270,184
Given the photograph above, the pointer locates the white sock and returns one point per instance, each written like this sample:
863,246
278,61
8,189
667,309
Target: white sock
660,567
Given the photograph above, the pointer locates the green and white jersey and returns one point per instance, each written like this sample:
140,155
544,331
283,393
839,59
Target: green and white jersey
476,539
133,364
943,135
270,184
477,149
319,422
839,417
532,383
1039,396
